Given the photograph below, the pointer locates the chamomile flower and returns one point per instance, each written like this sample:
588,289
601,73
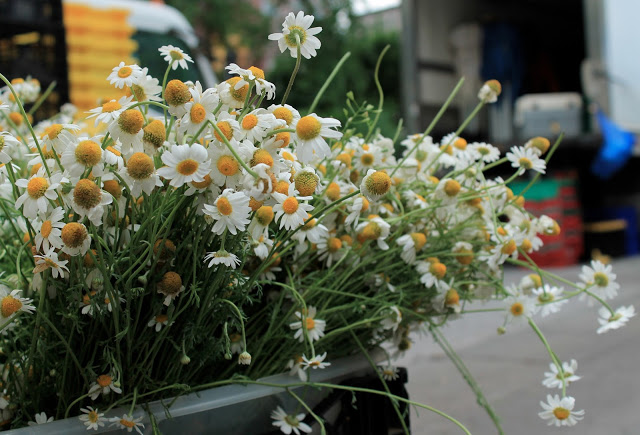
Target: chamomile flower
103,385
389,373
411,243
560,412
547,297
375,184
124,75
147,88
525,159
184,164
619,318
40,189
285,112
254,125
199,111
314,327
89,200
140,174
317,362
230,211
553,378
12,302
244,358
312,231
128,422
91,418
262,245
289,422
311,131
519,308
175,56
75,238
86,155
489,91
170,286
41,418
225,168
601,279
128,130
49,260
484,151
296,31
48,229
222,257
374,229
393,319
159,321
330,249
289,210
295,368
111,110
7,142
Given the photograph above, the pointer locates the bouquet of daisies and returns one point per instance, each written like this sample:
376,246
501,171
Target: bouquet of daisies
147,242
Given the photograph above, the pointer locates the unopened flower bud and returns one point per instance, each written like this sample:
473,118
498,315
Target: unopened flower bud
501,330
244,358
489,91
184,360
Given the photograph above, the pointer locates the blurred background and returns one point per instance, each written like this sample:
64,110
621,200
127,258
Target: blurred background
566,67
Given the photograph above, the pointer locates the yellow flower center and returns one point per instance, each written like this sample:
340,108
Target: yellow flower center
310,223
88,153
290,205
333,244
344,158
176,55
460,143
419,240
451,188
333,191
170,284
125,422
104,380
290,39
237,94
378,183
561,413
308,128
87,194
113,187
257,72
187,167
541,143
261,156
206,181
525,163
93,417
438,269
509,247
306,183
52,131
161,318
154,133
176,93
131,121
125,72
264,215
73,234
367,159
517,309
114,151
282,187
249,121
601,279
111,106
137,91
284,113
224,206
167,250
10,305
140,166
452,297
45,229
197,113
284,137
526,245
16,118
371,231
226,130
228,166
310,323
37,187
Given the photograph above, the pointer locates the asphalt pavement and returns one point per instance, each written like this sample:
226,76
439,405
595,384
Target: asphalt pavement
510,368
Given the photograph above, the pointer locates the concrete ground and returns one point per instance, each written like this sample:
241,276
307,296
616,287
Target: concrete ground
510,368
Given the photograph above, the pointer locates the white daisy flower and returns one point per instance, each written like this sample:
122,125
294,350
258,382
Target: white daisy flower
111,110
159,321
314,327
103,385
296,29
295,368
519,308
375,229
87,199
75,238
553,379
484,151
50,260
311,131
615,321
547,299
330,250
222,257
312,231
199,111
230,211
86,155
356,208
140,174
184,164
41,418
40,189
125,75
289,210
525,159
289,422
170,286
175,56
601,279
317,362
58,136
7,142
12,302
375,184
128,422
254,125
285,112
489,91
393,319
147,88
560,412
128,129
411,243
262,245
48,229
91,418
389,373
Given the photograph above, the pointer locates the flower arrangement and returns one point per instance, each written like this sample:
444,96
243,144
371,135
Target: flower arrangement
175,227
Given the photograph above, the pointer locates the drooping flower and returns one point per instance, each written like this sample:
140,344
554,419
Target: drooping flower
619,318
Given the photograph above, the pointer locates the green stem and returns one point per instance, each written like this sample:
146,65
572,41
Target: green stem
552,354
294,73
235,154
327,82
376,79
42,98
